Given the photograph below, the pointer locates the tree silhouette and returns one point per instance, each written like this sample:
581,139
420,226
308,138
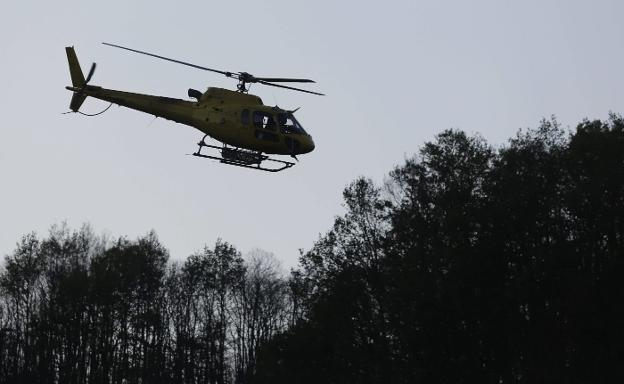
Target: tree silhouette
485,266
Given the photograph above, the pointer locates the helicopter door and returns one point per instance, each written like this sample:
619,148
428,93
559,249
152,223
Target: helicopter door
265,126
264,120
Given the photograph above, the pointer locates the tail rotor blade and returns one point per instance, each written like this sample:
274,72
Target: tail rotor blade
91,72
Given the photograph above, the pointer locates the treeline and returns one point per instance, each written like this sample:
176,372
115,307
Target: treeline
468,264
75,308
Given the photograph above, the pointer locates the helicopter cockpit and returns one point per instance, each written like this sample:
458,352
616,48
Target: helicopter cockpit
288,123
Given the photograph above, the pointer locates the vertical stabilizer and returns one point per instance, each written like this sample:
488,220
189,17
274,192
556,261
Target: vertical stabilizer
77,77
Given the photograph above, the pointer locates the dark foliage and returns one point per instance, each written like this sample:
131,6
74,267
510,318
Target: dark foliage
471,265
77,309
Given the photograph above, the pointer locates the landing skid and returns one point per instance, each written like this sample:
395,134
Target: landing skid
242,157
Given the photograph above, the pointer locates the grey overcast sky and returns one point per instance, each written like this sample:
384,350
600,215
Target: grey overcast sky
396,73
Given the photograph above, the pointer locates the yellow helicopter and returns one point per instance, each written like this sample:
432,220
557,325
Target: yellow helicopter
248,130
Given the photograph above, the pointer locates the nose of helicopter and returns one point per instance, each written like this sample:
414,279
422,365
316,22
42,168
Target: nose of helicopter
308,145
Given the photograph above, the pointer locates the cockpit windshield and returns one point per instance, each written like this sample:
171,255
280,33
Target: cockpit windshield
288,123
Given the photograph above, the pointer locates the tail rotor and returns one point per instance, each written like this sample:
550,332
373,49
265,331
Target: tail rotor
90,75
79,83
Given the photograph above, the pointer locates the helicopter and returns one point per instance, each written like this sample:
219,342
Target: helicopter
248,131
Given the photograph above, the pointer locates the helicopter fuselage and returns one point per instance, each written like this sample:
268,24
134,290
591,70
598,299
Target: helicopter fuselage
234,118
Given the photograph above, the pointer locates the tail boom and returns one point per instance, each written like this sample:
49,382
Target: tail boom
177,110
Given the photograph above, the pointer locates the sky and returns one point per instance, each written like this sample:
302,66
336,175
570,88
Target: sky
395,74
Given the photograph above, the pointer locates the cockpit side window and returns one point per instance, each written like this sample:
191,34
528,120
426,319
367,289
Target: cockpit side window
264,120
288,123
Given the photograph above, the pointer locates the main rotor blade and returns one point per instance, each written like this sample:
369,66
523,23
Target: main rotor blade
228,74
293,88
284,80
